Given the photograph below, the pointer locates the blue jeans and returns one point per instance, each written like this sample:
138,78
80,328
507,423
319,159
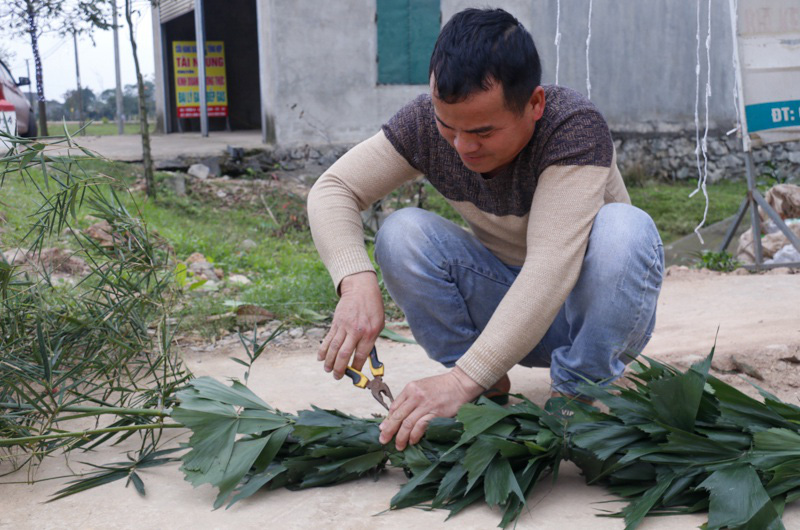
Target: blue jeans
449,284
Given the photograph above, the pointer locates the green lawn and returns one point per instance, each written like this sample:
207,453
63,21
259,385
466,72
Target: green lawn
676,215
97,128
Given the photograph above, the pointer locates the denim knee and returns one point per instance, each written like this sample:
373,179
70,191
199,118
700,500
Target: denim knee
402,238
622,231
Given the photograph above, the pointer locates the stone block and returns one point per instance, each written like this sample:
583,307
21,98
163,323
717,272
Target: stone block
199,171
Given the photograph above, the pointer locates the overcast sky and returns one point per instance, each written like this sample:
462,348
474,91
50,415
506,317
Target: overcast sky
96,62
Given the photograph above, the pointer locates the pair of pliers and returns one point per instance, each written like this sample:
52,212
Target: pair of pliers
376,385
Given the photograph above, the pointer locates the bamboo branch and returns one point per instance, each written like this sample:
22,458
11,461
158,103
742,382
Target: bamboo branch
119,411
81,434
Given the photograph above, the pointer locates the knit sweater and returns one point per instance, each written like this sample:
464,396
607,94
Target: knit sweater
536,213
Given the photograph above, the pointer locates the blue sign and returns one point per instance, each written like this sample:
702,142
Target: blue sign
772,115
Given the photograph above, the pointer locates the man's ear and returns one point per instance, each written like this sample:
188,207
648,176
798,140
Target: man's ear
536,103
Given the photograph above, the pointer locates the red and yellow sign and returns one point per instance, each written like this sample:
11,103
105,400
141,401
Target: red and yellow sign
187,96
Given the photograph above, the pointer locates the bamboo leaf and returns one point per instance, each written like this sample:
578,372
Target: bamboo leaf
605,439
404,497
256,482
243,456
415,459
390,334
737,498
636,511
137,483
743,411
449,483
275,441
777,440
676,398
479,455
500,482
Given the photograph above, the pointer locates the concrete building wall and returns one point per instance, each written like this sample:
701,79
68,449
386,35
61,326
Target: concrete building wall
319,70
642,59
327,87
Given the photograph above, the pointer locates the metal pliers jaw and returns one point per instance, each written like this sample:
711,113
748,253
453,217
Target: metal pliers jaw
376,385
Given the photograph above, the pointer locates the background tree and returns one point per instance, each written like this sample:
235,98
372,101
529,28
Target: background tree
87,99
6,55
132,12
31,18
130,98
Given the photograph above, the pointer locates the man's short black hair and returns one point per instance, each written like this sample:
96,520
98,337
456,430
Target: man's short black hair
478,47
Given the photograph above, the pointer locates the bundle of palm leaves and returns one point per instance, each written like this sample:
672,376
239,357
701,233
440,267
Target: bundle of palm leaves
683,442
674,442
489,452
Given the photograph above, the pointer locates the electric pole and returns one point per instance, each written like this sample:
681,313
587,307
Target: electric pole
78,76
120,119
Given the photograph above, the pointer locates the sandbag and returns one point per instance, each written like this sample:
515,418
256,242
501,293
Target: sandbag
784,199
770,244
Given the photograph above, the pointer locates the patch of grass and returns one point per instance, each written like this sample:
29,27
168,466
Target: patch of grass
676,215
97,128
284,268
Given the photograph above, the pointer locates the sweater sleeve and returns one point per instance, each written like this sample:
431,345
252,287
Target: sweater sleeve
566,201
366,173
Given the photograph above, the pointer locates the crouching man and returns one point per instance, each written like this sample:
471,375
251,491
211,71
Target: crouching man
558,269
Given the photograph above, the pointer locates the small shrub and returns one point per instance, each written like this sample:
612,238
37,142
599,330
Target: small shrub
716,261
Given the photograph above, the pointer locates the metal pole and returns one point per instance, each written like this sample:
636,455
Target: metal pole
261,50
754,216
734,225
166,67
120,118
200,40
78,76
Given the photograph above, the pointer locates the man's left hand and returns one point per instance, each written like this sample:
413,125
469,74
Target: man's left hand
420,401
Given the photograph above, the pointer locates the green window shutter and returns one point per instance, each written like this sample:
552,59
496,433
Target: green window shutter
424,21
407,31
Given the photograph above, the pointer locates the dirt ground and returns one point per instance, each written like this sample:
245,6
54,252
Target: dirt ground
755,318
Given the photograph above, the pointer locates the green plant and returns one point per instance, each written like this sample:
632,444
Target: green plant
716,261
771,176
99,348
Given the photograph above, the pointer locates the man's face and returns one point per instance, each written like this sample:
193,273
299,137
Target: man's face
484,132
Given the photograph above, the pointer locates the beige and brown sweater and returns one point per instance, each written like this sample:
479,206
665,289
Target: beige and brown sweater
536,214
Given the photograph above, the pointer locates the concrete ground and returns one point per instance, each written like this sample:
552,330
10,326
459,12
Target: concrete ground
128,148
751,312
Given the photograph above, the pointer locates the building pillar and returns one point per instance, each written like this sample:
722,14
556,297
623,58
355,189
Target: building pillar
200,40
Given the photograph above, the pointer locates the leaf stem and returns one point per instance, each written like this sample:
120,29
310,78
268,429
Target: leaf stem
120,411
82,434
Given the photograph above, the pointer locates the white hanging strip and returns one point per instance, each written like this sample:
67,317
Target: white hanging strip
558,36
704,144
588,41
736,69
697,102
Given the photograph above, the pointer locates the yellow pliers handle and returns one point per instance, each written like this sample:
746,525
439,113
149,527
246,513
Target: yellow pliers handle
375,367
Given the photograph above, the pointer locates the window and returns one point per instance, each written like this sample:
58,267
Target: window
407,31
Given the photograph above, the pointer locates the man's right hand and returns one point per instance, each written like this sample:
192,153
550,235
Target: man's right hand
357,322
